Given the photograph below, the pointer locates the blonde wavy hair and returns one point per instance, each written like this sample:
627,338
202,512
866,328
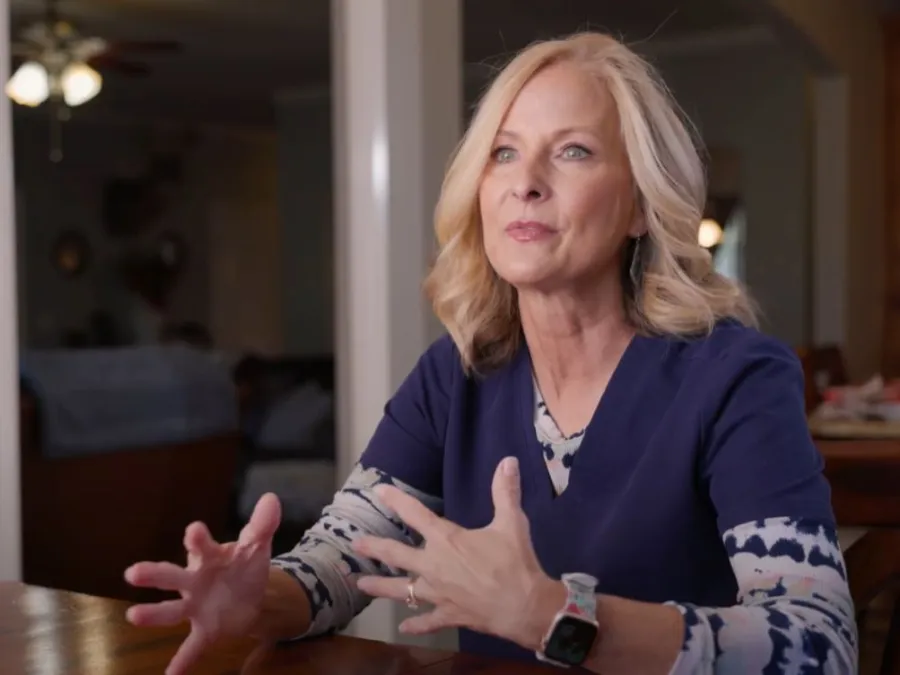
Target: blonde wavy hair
674,291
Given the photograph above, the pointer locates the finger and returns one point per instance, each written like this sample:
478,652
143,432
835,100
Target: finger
165,576
506,490
198,541
188,653
395,588
429,622
166,613
391,553
263,523
411,511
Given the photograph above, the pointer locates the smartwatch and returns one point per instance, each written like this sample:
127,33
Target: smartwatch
574,629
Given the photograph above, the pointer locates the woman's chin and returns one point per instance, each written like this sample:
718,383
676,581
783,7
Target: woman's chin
528,277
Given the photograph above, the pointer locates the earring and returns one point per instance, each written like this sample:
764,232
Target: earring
634,270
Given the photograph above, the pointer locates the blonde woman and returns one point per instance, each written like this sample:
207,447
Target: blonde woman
604,464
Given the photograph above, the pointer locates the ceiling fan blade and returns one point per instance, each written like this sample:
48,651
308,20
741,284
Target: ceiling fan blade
86,49
107,63
37,34
146,45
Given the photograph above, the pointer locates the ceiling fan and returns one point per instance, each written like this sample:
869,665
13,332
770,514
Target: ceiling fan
56,62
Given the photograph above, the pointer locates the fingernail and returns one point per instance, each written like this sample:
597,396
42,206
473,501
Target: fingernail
510,466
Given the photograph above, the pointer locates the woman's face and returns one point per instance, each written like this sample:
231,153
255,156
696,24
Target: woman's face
557,198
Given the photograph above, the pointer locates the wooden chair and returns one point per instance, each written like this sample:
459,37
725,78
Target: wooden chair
823,366
873,566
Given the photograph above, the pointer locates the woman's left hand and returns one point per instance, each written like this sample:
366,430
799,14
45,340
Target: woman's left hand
488,580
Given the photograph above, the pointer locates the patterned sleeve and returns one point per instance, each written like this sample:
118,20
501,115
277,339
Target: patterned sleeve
324,563
794,614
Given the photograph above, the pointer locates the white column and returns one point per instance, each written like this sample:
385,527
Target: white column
10,523
397,110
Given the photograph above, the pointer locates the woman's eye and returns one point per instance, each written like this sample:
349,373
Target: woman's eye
575,152
503,155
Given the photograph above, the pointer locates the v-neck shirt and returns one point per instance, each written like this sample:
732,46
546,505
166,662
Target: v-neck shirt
667,464
558,449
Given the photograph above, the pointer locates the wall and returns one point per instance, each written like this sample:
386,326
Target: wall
224,171
245,241
305,202
891,359
305,198
752,99
844,37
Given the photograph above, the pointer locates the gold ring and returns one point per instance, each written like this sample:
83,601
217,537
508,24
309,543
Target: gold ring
411,600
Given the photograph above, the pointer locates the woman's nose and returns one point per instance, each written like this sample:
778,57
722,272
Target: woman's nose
530,187
528,193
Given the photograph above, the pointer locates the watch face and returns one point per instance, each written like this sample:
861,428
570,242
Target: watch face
571,641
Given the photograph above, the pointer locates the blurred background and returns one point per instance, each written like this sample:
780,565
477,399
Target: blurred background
222,218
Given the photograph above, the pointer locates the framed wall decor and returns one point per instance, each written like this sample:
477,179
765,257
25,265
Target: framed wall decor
71,253
172,251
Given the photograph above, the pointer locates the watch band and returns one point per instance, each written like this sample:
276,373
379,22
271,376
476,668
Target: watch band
581,598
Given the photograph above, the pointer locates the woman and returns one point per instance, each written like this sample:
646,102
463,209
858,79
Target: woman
607,464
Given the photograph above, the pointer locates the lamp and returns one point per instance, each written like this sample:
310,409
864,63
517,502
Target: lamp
29,85
710,233
80,83
32,84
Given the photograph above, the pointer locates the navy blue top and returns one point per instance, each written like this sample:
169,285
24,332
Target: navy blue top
691,438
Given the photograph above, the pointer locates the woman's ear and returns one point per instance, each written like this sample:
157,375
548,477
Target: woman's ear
638,225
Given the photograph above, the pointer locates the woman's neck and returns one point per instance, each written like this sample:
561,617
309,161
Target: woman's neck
574,341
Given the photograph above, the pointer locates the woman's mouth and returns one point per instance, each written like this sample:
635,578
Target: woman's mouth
529,230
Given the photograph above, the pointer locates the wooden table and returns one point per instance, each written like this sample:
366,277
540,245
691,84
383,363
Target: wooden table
48,632
865,492
864,475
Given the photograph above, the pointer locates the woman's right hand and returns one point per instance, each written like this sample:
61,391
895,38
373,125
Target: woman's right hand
222,587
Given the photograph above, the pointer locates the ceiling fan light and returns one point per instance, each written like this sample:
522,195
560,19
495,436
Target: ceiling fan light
29,85
80,83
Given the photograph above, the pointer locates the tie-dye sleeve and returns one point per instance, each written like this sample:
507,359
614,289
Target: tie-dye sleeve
794,614
326,566
764,477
